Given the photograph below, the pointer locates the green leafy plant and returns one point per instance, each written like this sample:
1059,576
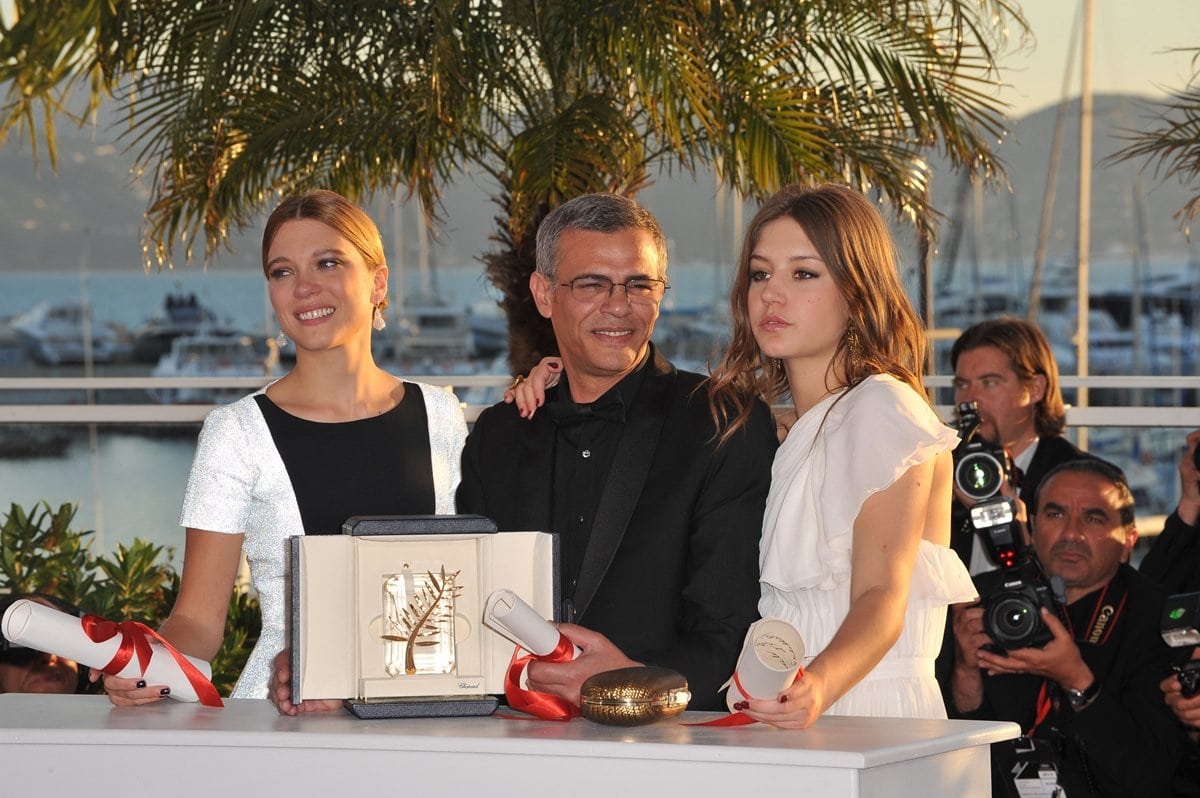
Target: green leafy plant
41,553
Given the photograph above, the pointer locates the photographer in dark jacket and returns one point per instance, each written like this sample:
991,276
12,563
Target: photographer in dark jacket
1006,367
1174,562
1174,559
1088,700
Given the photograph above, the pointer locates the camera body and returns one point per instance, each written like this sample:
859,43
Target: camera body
1012,601
1013,595
1189,677
1180,627
980,467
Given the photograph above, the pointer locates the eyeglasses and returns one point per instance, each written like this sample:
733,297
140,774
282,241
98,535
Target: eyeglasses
593,288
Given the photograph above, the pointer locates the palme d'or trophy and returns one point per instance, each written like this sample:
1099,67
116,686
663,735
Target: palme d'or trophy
621,697
418,613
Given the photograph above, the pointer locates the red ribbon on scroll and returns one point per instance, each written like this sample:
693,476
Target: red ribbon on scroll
732,719
135,640
738,718
542,705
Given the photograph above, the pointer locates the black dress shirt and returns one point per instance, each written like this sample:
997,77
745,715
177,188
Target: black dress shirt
585,444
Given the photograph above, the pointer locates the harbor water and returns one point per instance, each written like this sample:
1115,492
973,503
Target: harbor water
129,483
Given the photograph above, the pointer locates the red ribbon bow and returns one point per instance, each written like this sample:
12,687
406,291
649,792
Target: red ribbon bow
135,639
542,705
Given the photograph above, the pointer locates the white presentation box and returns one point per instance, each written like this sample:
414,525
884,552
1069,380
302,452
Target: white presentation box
388,615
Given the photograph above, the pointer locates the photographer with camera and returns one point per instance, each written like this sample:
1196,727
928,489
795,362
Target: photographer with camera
1078,671
1005,367
1174,559
1174,562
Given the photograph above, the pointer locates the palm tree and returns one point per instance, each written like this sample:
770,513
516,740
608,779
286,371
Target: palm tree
231,104
1172,142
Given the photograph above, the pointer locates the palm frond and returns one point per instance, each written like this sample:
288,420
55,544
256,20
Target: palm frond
1170,145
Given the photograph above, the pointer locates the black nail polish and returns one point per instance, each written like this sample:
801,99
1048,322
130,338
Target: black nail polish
165,691
141,683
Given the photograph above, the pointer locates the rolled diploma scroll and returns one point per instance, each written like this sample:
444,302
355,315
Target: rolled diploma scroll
508,614
46,629
771,657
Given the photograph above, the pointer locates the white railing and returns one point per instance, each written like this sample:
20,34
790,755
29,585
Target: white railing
1115,416
149,412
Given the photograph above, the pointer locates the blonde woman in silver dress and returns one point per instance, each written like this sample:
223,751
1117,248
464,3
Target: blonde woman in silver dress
336,436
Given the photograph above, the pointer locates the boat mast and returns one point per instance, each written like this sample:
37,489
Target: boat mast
1047,220
1085,210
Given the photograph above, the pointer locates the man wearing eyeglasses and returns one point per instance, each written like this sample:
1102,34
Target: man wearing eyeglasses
658,525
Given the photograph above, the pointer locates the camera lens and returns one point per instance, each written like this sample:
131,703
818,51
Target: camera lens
979,475
1012,619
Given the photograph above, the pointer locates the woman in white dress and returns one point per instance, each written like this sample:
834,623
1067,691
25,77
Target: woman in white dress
854,551
336,436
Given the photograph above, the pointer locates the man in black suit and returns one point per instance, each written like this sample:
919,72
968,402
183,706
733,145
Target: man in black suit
658,524
1006,367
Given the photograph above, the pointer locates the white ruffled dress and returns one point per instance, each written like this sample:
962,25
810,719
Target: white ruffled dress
836,456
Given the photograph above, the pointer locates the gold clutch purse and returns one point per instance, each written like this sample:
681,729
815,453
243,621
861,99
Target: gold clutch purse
634,696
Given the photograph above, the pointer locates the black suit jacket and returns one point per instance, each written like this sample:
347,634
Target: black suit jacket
670,573
1049,453
1174,558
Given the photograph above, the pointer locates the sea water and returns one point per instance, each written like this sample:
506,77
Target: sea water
128,484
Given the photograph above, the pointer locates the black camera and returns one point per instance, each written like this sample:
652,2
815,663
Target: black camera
1013,595
1180,628
980,467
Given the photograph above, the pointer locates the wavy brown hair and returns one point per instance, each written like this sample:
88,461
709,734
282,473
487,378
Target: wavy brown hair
853,241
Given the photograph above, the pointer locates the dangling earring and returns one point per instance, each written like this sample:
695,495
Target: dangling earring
854,347
378,322
281,340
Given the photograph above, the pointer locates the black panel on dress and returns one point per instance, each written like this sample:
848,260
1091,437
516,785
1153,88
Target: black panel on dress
375,466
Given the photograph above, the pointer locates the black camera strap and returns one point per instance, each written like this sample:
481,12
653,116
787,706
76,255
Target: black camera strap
1107,612
1105,617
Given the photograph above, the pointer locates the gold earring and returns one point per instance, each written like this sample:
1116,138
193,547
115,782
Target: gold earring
854,347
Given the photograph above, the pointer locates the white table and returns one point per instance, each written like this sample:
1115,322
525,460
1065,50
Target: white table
81,745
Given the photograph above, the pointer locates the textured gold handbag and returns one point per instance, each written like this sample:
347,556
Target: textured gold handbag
634,696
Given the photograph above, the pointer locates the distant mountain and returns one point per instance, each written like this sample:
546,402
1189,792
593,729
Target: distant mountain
1010,219
92,207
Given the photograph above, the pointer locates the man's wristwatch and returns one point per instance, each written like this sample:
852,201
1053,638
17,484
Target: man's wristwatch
1081,699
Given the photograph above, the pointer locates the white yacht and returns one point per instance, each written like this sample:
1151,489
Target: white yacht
62,332
209,354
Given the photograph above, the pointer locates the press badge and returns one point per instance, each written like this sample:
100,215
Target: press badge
1034,769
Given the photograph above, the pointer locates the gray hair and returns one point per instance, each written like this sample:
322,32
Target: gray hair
599,213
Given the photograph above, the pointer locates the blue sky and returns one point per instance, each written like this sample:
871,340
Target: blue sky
1130,50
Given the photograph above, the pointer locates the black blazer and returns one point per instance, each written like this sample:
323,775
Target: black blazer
1049,453
1174,557
670,574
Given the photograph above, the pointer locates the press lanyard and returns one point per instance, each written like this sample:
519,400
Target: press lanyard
1104,619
